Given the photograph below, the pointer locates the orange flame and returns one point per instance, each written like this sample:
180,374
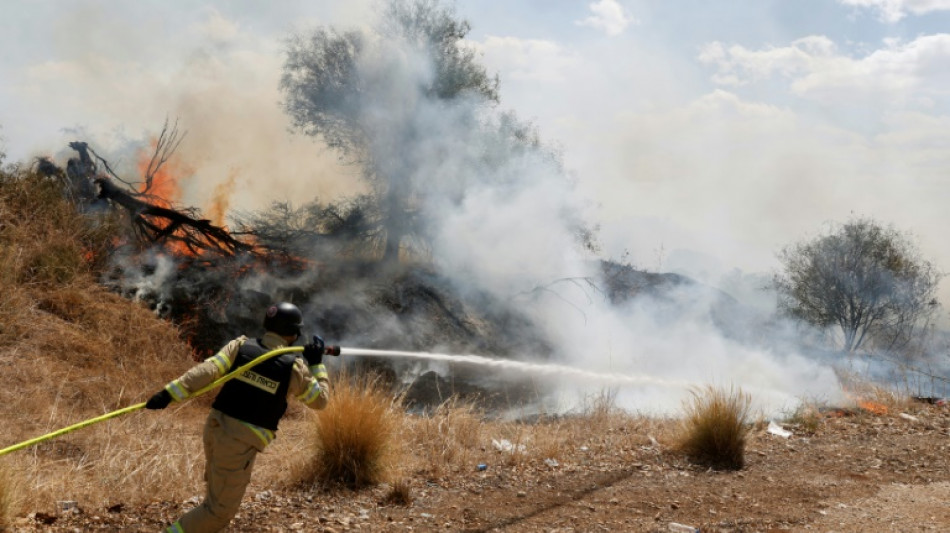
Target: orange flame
165,182
221,200
873,407
165,189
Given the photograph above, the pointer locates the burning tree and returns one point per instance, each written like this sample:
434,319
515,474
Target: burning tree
867,280
370,96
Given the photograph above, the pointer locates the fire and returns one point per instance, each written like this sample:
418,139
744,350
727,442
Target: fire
221,200
859,395
873,407
165,182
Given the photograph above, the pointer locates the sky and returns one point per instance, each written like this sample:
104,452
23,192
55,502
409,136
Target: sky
706,135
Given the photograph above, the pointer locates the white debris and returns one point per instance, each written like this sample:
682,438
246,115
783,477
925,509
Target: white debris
682,528
504,445
912,418
778,430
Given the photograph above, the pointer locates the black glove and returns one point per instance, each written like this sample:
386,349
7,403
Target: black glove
313,351
159,400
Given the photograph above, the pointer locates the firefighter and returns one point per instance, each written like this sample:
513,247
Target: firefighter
244,416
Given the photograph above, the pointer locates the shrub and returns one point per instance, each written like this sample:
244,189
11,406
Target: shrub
714,429
355,436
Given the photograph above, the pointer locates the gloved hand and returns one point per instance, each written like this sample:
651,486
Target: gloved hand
313,351
159,400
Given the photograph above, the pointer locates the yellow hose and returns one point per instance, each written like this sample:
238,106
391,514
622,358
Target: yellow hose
138,406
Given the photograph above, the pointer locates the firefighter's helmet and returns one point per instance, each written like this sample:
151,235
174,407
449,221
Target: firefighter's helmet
283,319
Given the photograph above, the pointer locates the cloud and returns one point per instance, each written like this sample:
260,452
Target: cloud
528,59
894,10
899,74
608,16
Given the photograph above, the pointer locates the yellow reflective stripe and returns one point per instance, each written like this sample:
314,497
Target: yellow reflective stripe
311,394
319,371
176,390
266,435
175,528
221,361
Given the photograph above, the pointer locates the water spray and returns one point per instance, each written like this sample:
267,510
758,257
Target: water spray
548,369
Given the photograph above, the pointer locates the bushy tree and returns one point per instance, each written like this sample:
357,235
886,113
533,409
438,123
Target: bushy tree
864,278
371,96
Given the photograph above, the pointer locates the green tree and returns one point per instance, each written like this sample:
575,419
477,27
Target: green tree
372,94
866,279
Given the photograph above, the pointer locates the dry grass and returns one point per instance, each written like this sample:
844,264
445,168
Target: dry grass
10,497
355,437
128,459
806,418
448,438
400,493
456,437
76,351
45,240
715,427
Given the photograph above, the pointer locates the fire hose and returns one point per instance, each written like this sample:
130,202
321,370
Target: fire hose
136,407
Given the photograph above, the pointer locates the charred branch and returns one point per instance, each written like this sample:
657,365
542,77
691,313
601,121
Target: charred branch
155,224
153,220
165,146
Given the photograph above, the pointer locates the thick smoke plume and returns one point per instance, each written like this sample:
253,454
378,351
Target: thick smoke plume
501,215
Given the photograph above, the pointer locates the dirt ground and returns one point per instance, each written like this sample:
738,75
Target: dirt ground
852,471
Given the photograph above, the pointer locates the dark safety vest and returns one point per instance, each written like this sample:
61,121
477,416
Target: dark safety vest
259,395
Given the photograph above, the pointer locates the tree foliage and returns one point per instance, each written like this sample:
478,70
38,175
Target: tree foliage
866,279
372,96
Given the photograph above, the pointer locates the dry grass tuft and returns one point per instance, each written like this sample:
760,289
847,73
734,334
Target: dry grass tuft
356,436
400,493
715,428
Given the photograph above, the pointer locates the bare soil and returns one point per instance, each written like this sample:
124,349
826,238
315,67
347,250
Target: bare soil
851,470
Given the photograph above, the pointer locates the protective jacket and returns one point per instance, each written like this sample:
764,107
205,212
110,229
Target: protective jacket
259,395
254,419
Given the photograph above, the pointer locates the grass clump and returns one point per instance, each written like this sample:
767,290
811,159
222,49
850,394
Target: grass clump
806,418
400,493
715,428
355,436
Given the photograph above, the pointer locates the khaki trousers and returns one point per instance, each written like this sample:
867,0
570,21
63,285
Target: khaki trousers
228,465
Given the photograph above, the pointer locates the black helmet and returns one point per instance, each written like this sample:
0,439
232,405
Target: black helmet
283,319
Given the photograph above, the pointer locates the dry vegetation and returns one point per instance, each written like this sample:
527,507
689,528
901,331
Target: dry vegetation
355,436
76,351
715,427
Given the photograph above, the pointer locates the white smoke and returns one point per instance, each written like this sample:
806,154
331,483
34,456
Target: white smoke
504,216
